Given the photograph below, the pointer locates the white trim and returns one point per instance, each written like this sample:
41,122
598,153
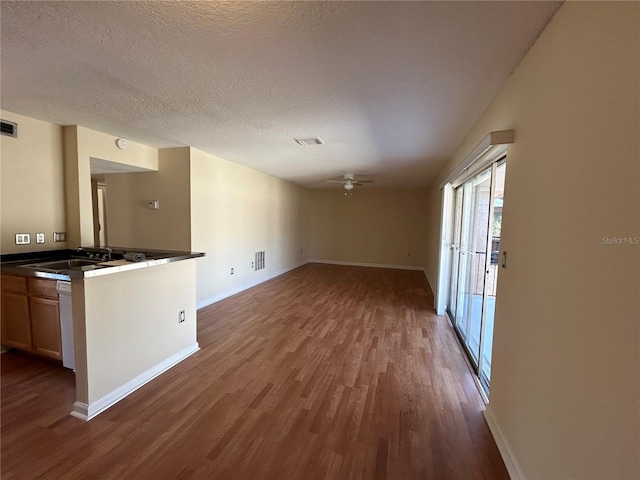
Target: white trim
444,268
230,293
495,139
429,282
87,412
373,265
509,458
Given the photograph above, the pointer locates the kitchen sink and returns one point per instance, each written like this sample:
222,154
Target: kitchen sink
64,264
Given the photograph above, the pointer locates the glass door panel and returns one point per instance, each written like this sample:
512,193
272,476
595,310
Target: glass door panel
491,282
462,304
473,252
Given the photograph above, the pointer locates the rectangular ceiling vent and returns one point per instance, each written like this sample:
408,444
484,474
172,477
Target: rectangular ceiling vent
309,141
9,129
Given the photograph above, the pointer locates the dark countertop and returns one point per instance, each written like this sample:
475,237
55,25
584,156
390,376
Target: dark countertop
23,263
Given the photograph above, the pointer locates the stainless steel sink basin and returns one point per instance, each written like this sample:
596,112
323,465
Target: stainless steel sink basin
64,264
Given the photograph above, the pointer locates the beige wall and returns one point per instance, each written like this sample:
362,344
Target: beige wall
131,223
565,381
32,188
376,226
80,145
130,330
236,211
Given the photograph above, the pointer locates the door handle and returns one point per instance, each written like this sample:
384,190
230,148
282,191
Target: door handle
504,259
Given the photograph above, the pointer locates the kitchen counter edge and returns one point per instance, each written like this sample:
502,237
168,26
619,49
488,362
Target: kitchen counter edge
68,274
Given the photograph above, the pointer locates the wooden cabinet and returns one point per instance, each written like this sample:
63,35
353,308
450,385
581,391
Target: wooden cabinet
30,315
16,321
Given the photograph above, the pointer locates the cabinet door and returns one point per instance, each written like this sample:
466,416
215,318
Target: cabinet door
16,326
45,327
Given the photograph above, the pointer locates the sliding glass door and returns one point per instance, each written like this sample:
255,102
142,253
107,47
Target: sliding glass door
491,278
475,240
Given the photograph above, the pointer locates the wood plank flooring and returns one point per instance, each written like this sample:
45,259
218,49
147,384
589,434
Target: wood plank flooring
327,372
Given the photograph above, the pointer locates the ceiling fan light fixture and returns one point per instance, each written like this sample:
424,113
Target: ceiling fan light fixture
348,185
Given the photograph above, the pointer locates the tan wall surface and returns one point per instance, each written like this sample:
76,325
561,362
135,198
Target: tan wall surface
565,382
131,223
235,212
134,327
378,226
32,189
81,144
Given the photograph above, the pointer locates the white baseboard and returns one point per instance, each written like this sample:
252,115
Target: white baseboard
87,412
374,265
247,286
509,458
433,290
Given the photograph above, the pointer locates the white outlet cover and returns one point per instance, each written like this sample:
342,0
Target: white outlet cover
39,237
23,239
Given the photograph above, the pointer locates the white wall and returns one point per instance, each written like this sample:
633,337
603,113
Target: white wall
236,211
32,188
374,226
565,382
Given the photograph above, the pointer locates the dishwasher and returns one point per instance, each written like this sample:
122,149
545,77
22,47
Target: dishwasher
66,324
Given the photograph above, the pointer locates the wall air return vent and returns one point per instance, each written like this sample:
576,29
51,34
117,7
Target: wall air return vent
10,129
309,141
259,260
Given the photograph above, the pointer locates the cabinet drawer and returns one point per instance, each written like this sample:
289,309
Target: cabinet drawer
41,287
13,283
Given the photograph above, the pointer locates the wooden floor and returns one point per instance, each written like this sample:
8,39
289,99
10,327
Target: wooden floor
325,372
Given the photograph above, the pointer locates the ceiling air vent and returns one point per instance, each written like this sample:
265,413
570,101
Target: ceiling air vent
9,129
309,141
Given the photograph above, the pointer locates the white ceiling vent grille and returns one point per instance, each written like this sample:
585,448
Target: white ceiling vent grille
309,141
9,129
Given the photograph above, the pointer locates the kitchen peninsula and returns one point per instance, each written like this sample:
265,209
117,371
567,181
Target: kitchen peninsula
131,320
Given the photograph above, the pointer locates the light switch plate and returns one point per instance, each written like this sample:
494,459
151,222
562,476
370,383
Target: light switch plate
39,237
59,236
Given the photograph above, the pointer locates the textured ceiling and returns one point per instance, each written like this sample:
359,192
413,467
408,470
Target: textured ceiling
391,87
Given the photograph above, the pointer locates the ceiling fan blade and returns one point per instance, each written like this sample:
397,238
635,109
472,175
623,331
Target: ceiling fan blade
365,181
334,181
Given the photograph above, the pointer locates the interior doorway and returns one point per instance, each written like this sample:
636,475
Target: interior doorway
102,215
99,198
476,223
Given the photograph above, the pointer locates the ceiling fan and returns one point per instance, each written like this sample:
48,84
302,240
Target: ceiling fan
349,181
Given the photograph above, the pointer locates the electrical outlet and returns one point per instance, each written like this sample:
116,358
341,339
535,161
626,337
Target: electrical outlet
23,239
59,237
231,271
39,237
181,316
